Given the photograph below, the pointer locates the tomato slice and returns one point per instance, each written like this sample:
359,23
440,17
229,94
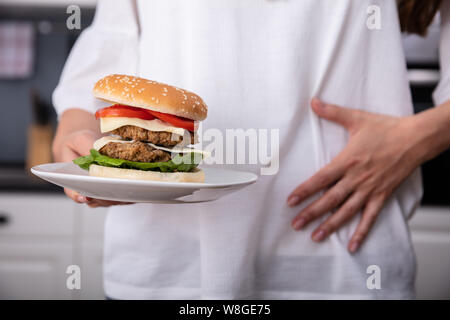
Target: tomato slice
119,110
180,122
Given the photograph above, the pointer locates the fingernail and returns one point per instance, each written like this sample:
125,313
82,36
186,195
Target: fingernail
353,246
318,236
300,223
294,200
81,199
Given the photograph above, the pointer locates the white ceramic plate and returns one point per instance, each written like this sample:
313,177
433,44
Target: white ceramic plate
218,183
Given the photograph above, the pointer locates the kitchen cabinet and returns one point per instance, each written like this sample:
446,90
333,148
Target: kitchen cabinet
42,234
89,250
430,232
36,246
34,269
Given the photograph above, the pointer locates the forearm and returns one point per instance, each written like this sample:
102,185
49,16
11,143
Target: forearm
430,131
71,122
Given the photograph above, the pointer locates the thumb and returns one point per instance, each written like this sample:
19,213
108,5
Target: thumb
340,115
82,141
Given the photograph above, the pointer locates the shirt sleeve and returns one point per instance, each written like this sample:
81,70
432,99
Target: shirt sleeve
109,45
442,92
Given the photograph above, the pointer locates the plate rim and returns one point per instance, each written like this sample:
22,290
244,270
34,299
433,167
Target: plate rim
192,185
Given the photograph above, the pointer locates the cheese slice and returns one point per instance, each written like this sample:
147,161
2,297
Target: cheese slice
100,143
108,124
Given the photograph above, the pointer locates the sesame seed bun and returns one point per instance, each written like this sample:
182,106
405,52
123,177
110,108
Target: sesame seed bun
152,95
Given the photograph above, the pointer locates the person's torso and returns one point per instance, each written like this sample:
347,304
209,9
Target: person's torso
257,64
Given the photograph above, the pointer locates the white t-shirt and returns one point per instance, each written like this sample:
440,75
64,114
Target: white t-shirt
257,64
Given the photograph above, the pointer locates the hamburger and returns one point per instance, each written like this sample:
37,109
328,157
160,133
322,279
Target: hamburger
150,127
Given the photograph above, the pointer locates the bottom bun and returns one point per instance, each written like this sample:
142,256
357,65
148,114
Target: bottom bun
108,172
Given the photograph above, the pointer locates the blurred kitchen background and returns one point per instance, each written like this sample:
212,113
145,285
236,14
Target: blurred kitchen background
42,233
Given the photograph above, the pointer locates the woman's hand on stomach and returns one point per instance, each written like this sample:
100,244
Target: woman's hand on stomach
381,153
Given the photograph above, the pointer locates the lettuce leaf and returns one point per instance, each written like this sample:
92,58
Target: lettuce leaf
179,163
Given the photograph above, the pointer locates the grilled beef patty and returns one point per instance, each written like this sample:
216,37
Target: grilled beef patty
134,151
161,138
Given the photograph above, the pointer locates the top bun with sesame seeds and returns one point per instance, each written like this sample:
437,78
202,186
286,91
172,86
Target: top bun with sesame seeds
152,95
